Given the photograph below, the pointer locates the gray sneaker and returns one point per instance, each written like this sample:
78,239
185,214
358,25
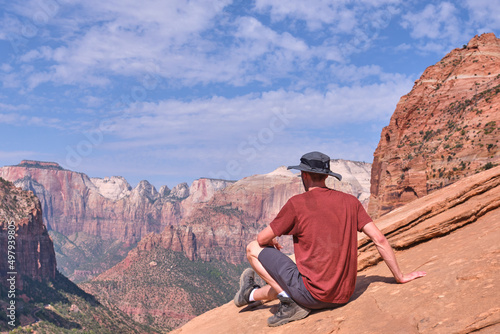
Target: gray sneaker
288,311
247,284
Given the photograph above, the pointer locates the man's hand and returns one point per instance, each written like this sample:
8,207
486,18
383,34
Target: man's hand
385,250
411,276
266,238
275,244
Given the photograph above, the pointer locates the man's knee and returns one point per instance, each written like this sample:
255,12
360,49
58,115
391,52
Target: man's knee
253,249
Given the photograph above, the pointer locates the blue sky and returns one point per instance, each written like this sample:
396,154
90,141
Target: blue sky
170,91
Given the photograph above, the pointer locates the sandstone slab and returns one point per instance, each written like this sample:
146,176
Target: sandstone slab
435,215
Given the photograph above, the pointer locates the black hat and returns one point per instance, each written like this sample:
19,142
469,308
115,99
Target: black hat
316,162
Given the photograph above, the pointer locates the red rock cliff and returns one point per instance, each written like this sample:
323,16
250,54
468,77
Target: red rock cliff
220,227
34,251
108,208
446,128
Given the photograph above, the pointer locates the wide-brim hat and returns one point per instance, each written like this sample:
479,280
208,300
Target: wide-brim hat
316,162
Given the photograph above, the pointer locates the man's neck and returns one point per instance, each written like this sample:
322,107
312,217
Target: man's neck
316,185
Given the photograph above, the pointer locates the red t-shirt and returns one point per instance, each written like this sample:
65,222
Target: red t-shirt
324,225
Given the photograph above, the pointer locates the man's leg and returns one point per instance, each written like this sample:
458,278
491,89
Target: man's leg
288,310
249,290
269,291
247,285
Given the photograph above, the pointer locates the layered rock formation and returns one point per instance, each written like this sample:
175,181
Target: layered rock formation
437,214
31,246
219,228
40,299
461,255
113,188
96,211
108,208
446,128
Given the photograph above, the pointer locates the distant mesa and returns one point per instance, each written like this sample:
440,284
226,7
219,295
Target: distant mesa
39,164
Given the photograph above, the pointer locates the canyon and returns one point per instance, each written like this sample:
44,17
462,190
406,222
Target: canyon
213,236
31,287
94,222
207,224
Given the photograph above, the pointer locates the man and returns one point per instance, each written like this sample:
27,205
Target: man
324,225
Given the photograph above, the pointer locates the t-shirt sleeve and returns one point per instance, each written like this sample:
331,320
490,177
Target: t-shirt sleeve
285,221
363,217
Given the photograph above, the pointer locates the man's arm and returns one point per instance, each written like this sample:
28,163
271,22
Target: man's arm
385,250
266,238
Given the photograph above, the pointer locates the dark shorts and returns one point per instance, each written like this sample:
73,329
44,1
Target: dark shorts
286,274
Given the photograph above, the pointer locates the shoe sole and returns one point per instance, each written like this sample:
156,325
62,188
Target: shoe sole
297,316
242,283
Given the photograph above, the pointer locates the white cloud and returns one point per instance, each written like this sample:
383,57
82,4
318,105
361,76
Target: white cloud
195,42
221,122
37,78
9,26
438,28
174,19
315,13
93,101
232,138
403,47
343,15
486,14
343,27
119,37
434,21
6,67
351,73
11,107
250,28
23,120
10,119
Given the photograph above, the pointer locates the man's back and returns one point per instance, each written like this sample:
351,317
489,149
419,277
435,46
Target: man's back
324,225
